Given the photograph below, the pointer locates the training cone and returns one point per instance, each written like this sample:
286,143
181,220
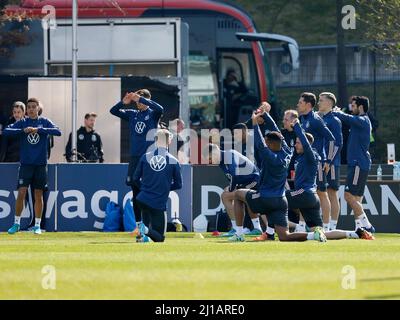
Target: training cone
198,236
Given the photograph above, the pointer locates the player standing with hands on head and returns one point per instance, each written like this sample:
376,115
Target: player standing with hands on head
33,131
141,120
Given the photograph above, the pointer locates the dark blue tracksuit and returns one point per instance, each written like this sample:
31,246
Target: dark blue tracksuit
332,179
140,123
358,157
157,173
239,170
270,198
33,152
304,196
313,123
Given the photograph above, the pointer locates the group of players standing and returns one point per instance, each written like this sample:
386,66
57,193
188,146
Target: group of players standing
308,147
298,169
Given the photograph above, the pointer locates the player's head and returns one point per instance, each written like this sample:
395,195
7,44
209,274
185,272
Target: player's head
212,153
18,110
240,133
306,102
163,138
299,146
273,140
32,108
360,105
177,125
326,102
145,94
288,118
90,120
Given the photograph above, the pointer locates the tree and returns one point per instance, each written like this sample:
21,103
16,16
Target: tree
380,25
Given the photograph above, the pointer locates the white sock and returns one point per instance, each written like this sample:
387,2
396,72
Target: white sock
234,226
358,223
301,227
256,223
37,222
332,224
146,230
352,235
270,230
326,226
239,230
310,235
364,221
17,220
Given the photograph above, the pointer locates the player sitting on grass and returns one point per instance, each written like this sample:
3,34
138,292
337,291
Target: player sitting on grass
304,196
157,173
241,173
270,198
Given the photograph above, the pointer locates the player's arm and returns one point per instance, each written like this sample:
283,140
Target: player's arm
322,130
14,129
349,119
336,128
118,110
100,151
177,178
309,154
50,129
68,151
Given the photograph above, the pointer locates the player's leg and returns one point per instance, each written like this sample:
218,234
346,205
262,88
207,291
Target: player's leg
158,226
39,185
239,208
354,191
227,199
333,179
25,176
133,162
323,196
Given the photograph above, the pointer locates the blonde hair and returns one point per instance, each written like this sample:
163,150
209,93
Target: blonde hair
330,96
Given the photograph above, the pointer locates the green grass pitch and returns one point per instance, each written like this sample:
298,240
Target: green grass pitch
92,265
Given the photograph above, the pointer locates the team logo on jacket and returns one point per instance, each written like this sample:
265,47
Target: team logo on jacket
139,127
158,163
307,124
147,117
33,138
94,138
81,136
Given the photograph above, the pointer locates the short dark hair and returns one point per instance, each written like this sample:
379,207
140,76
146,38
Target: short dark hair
144,93
310,138
274,136
362,101
90,114
309,97
240,125
33,100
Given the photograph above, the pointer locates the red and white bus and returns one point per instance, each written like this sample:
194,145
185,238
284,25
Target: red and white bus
223,46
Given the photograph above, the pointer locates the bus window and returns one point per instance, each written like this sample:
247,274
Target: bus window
202,92
238,80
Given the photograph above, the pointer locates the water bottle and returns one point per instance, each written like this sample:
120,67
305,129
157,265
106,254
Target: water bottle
379,173
396,171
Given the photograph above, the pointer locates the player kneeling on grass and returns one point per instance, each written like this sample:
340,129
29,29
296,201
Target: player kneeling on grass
242,173
270,198
304,196
157,173
33,132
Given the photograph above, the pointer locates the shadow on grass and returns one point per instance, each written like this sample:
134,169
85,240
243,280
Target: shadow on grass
388,296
